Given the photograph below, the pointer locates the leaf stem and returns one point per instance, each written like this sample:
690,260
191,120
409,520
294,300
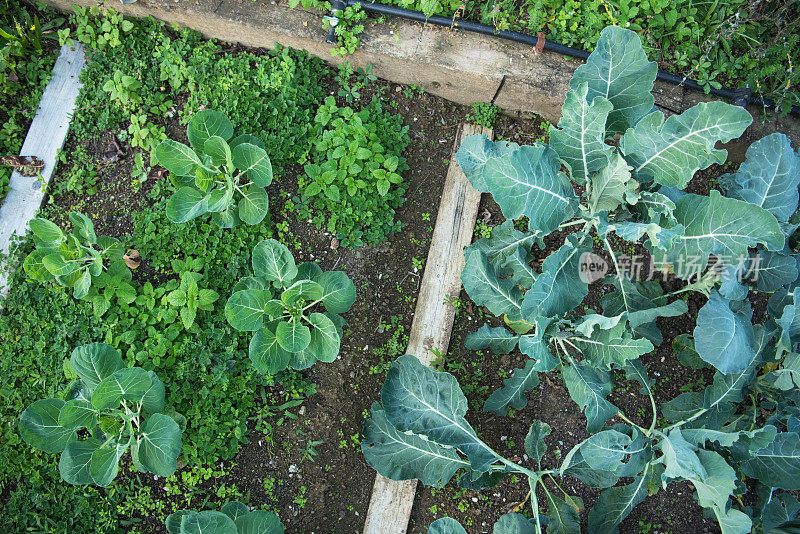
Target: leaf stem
535,503
619,273
643,430
571,223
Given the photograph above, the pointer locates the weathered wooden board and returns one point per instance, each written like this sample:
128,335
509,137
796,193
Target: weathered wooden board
45,137
391,502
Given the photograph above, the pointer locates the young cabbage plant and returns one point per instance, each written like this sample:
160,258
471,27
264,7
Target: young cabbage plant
713,440
216,175
92,266
233,518
108,410
634,190
293,310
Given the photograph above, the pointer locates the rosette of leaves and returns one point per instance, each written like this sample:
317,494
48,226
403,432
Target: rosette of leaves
233,518
108,410
635,191
92,266
215,174
292,309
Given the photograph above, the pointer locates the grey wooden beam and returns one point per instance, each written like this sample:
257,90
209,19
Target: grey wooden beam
391,501
45,137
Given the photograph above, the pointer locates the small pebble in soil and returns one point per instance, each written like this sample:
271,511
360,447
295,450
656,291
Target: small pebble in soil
293,468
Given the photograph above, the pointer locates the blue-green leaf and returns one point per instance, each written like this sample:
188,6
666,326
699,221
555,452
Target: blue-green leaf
473,154
40,428
724,338
670,152
513,391
255,162
535,446
529,182
498,339
717,225
205,124
580,136
769,177
159,445
446,525
94,362
186,204
273,261
619,71
614,505
486,288
558,289
403,456
418,399
589,387
778,464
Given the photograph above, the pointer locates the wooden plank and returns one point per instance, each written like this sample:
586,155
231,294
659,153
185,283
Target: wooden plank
45,137
391,501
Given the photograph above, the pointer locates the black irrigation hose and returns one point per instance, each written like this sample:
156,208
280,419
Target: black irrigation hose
740,97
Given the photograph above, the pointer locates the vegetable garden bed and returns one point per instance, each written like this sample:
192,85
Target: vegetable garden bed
289,440
290,443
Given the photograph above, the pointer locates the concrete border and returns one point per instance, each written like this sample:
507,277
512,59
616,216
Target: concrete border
459,66
45,137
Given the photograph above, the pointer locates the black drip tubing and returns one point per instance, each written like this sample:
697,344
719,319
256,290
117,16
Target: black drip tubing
739,97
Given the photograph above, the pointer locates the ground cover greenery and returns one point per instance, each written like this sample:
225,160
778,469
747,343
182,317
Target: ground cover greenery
735,43
164,358
26,63
172,326
741,435
353,186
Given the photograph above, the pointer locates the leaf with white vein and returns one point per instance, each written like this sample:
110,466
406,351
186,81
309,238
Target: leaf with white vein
529,182
619,71
579,138
670,152
769,176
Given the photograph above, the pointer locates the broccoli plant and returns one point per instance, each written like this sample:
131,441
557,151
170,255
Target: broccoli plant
92,266
293,310
113,408
216,175
419,430
595,188
233,518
